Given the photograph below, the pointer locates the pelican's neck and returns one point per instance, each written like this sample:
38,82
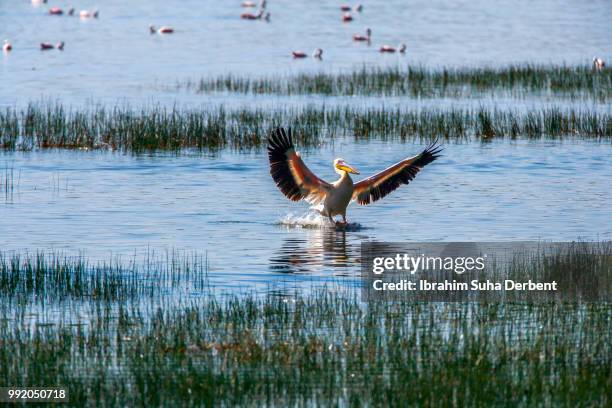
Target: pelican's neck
344,177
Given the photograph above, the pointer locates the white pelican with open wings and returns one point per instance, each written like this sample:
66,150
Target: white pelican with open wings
297,182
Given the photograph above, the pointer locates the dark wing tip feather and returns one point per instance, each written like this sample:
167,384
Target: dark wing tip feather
279,143
405,176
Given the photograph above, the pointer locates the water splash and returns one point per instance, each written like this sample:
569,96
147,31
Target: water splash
314,220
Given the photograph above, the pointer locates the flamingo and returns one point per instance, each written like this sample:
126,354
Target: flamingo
359,37
317,53
7,46
49,46
56,11
89,14
347,17
251,16
249,3
345,7
161,30
598,63
388,48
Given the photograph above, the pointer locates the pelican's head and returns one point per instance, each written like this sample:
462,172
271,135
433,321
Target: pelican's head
341,167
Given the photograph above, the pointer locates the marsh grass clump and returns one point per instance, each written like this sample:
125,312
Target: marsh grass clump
418,81
323,347
54,126
48,278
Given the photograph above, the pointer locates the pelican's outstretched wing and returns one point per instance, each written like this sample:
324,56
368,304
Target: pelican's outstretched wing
379,185
291,175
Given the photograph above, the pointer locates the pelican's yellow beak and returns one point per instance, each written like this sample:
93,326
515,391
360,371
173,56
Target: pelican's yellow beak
345,167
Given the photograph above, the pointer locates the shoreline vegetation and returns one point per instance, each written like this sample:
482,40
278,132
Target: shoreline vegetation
105,332
418,81
40,126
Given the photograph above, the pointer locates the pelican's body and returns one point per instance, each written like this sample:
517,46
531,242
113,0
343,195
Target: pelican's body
297,182
337,201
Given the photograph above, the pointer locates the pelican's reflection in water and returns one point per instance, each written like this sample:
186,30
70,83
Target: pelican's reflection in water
319,250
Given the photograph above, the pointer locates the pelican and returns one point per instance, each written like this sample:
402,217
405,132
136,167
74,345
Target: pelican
297,182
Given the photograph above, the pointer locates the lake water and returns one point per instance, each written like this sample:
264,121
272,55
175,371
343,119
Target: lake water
115,58
227,207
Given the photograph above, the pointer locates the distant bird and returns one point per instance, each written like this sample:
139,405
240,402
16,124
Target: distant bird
251,16
298,54
297,182
598,63
49,46
7,46
359,37
317,53
89,14
38,2
346,17
358,8
248,4
56,11
161,30
267,17
388,48
71,11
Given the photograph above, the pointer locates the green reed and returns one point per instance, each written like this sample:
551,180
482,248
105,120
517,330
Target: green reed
325,347
419,81
54,126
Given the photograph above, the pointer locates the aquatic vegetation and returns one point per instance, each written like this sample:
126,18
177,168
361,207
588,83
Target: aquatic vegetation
54,126
324,347
419,81
52,278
